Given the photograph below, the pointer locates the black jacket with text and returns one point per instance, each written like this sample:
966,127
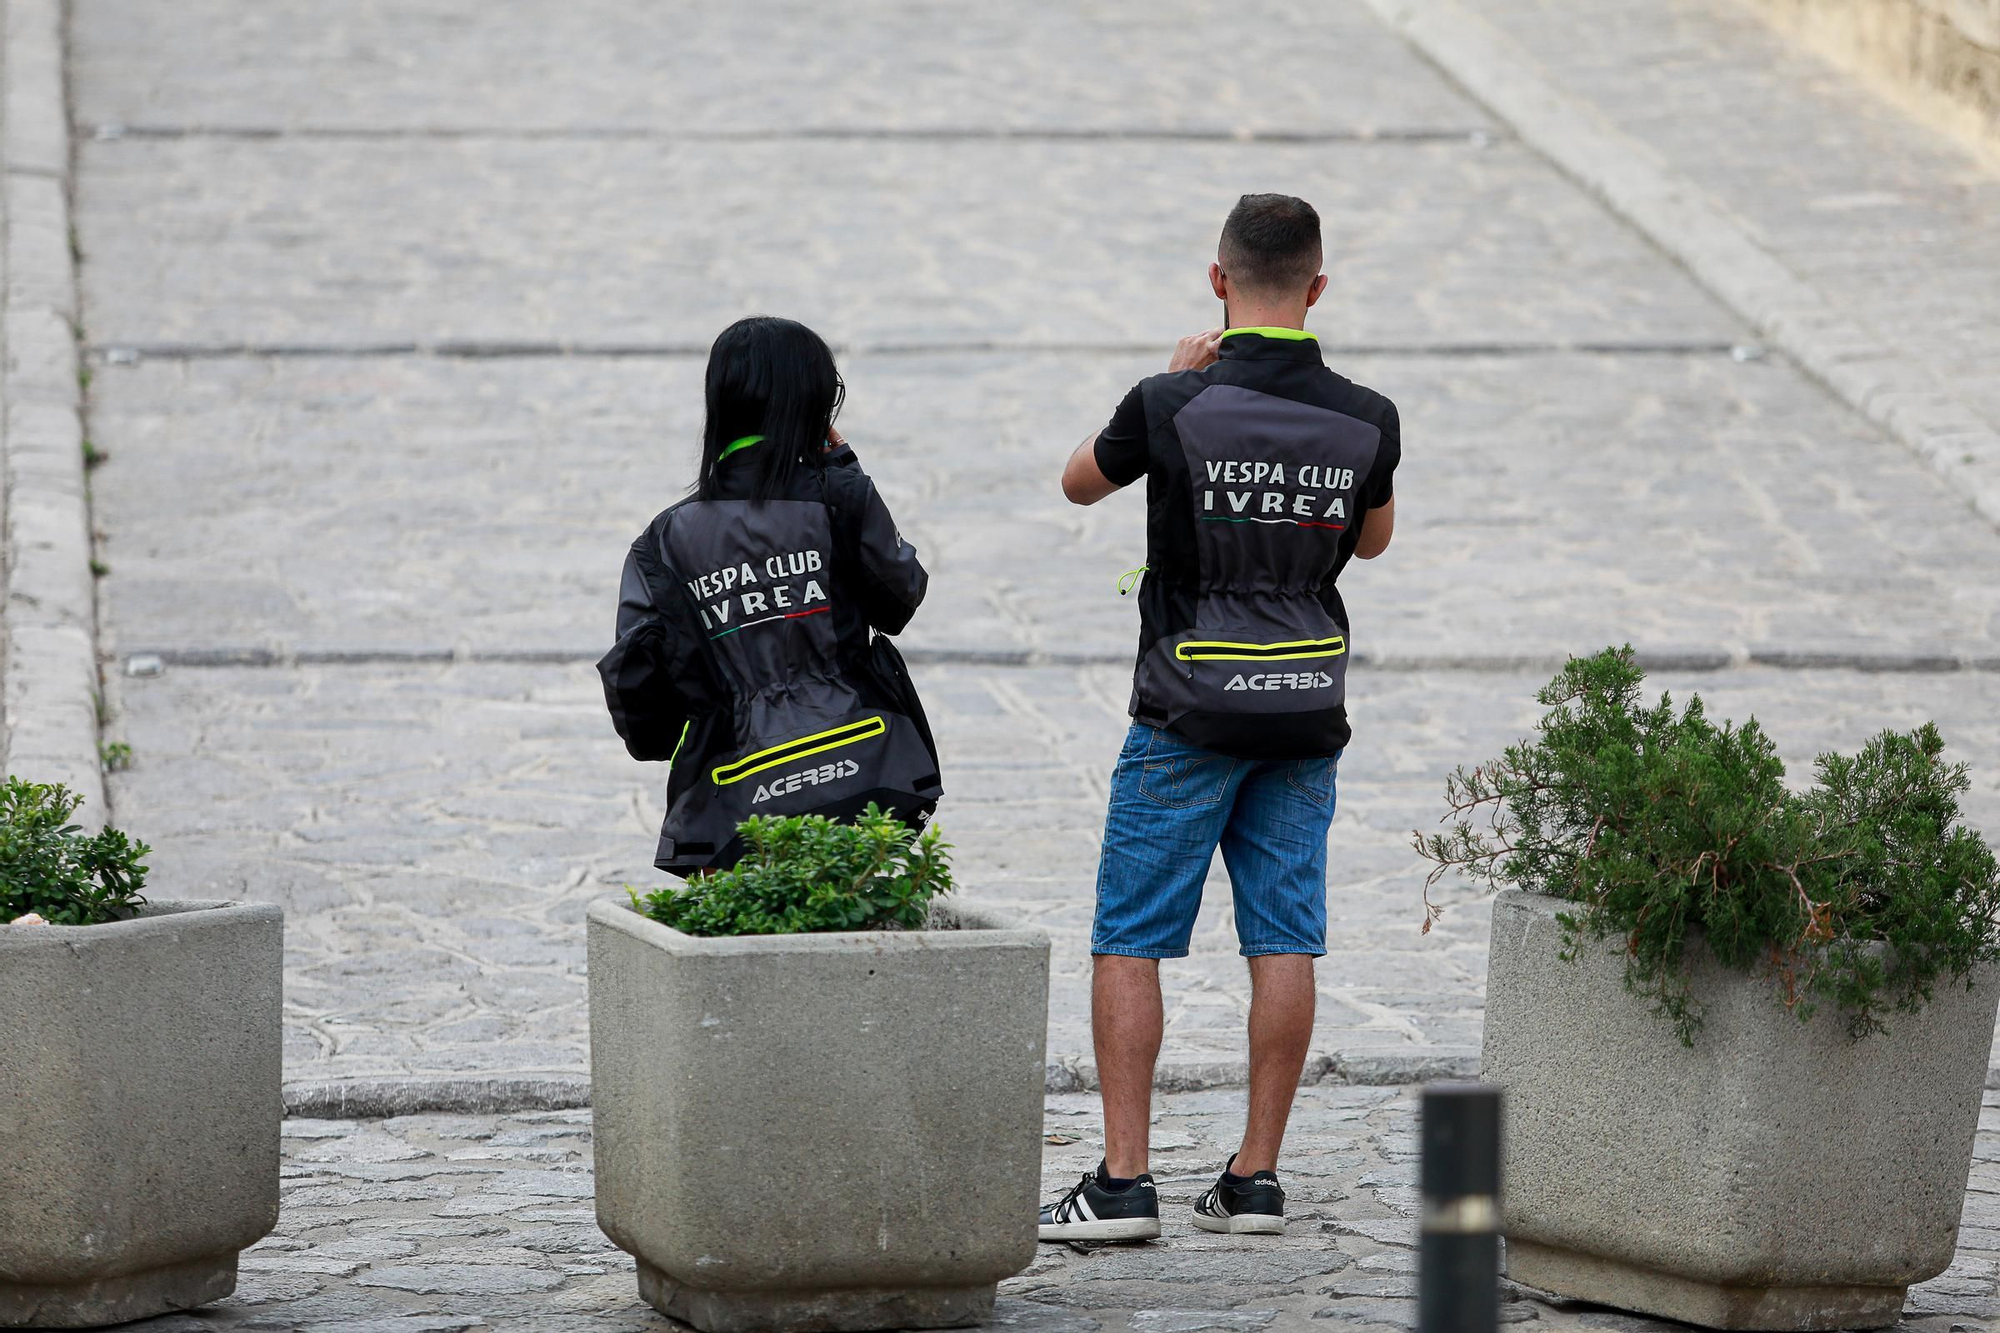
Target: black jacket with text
1260,470
749,656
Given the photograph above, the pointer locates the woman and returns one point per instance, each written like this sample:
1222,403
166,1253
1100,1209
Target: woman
747,651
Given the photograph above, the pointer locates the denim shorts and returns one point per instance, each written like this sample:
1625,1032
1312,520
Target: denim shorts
1172,805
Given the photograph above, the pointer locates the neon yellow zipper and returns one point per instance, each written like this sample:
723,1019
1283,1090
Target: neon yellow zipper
817,743
1210,650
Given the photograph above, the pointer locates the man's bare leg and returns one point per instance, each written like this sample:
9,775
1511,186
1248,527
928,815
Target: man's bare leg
1126,1021
1281,1027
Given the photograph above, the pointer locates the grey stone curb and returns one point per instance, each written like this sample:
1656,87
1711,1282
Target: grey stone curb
1861,367
1361,1068
1661,660
49,618
128,354
380,1098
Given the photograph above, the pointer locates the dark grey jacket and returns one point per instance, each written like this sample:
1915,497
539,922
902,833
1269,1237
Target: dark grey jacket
1260,472
750,654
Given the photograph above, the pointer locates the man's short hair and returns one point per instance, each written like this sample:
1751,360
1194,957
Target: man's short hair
1270,243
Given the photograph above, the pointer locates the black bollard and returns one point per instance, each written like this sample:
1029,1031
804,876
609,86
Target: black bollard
1458,1260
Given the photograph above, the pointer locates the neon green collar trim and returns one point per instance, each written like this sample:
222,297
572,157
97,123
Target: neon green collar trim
734,445
1264,331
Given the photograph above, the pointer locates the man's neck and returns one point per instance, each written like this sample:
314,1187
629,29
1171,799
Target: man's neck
1265,317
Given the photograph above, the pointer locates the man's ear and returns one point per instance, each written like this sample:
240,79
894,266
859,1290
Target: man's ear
1218,281
1313,292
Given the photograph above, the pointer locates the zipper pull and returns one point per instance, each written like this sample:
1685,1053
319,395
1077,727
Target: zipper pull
1130,580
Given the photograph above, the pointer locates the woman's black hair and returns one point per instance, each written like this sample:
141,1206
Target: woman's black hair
770,377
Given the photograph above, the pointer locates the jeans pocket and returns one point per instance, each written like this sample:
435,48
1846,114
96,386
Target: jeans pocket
1183,776
1314,778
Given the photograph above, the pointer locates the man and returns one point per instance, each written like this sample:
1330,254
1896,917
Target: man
1265,472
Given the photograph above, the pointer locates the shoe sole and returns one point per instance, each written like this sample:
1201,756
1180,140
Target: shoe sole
1121,1228
1243,1224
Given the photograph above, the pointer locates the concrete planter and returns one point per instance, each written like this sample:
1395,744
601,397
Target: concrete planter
139,1106
819,1132
1777,1176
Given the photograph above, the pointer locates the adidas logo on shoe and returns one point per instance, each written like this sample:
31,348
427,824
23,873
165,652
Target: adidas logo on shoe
1242,1206
1089,1211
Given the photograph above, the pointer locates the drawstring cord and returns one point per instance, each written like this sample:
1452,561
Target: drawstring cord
1130,580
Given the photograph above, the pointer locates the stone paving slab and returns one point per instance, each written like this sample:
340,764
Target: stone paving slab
1893,221
423,504
447,1224
1867,324
1149,66
434,833
614,242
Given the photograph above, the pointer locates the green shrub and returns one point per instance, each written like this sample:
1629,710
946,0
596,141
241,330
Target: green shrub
1859,892
51,866
808,873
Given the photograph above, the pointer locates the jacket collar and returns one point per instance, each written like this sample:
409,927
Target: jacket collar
1269,344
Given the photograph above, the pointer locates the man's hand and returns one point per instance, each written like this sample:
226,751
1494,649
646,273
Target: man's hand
1196,351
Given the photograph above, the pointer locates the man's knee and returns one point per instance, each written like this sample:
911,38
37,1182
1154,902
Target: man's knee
1282,975
1282,963
1125,962
1124,971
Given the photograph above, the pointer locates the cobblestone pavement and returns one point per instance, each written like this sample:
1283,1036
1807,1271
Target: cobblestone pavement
1001,214
441,1224
1894,221
426,505
405,248
1137,66
434,832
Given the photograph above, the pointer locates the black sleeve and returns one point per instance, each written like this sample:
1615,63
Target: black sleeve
1381,486
1121,446
890,580
635,599
641,673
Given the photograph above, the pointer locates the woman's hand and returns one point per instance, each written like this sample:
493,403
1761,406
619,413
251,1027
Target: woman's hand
833,440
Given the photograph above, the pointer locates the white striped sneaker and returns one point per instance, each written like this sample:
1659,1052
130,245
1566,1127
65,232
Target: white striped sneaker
1091,1212
1253,1206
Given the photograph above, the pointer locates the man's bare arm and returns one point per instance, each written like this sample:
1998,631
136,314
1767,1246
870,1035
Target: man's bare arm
1083,482
1377,526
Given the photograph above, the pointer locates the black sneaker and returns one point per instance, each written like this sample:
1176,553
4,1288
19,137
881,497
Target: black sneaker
1091,1212
1252,1207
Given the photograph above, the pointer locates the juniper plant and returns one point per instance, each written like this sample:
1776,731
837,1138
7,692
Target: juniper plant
1665,829
52,867
810,873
